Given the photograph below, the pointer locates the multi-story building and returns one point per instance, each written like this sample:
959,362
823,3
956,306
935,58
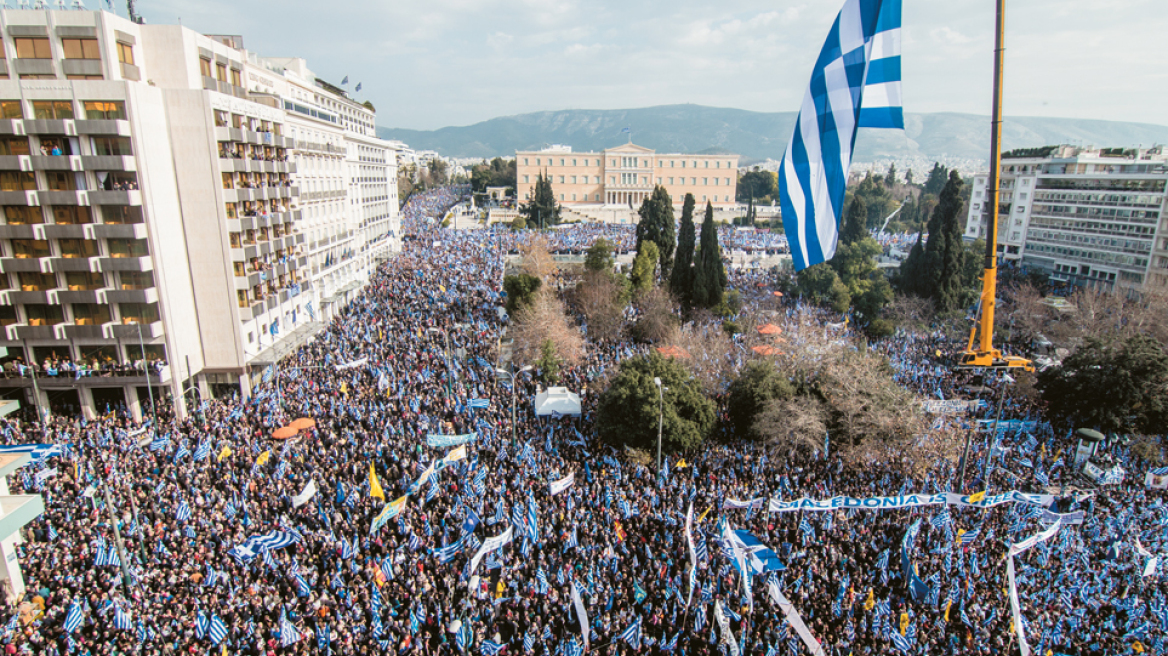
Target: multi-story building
626,175
1086,216
158,206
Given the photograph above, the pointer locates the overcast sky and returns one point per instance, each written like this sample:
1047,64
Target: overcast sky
431,63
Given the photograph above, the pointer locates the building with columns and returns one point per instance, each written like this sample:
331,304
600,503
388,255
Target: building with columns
626,175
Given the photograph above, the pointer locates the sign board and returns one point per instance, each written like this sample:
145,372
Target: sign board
952,407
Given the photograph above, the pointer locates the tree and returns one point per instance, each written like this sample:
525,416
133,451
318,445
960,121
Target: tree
536,259
945,249
520,290
756,184
855,221
437,172
498,173
542,210
890,178
936,180
710,273
549,362
1113,387
599,256
657,323
601,297
908,177
681,279
821,284
758,384
657,225
644,267
540,321
628,410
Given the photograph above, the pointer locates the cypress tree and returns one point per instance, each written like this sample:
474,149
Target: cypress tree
709,274
855,221
945,250
542,210
681,279
656,225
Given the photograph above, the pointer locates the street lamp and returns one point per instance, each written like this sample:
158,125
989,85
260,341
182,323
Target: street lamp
661,389
514,392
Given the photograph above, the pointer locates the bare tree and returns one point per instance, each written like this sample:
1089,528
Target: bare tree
657,322
537,260
910,311
799,423
598,297
714,359
543,320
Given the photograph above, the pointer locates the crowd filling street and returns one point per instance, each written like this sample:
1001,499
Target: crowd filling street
239,543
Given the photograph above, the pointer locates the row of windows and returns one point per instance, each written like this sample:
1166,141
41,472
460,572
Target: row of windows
36,281
1106,257
1143,216
72,214
220,71
71,248
81,314
1130,245
64,109
41,48
631,178
596,198
1096,198
625,162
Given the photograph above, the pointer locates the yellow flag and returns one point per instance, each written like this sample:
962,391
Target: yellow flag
871,602
960,532
223,454
903,623
1137,646
948,604
344,387
455,454
680,464
977,497
374,486
703,515
263,457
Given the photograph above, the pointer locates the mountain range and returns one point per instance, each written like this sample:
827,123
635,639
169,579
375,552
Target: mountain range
757,136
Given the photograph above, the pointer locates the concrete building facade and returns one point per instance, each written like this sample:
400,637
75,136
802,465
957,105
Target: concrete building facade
170,228
625,175
1087,216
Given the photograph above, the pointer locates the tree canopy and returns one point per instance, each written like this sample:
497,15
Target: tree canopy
628,410
542,210
520,290
937,270
1111,386
681,279
657,225
599,256
496,173
709,280
759,383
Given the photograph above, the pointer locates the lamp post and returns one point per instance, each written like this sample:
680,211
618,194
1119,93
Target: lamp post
146,370
514,392
661,389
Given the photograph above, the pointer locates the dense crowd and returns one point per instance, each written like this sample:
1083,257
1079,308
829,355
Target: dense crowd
414,356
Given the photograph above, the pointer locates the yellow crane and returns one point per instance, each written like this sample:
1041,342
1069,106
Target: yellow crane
981,354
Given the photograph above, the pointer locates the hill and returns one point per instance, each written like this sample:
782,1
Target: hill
759,135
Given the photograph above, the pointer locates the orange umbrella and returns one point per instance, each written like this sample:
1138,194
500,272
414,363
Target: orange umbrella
769,329
302,423
673,352
765,350
284,432
778,294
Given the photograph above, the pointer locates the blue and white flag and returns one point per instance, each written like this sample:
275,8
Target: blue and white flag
855,83
73,618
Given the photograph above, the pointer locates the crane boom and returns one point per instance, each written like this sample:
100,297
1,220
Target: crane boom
981,354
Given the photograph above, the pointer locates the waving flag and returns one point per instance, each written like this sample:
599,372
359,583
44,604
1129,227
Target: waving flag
855,83
375,485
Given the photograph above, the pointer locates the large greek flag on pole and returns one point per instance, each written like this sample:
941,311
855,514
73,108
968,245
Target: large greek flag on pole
855,83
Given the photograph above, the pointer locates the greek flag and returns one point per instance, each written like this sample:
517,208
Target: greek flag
160,442
288,633
203,451
479,404
632,635
183,513
855,83
201,624
489,648
122,620
73,617
37,452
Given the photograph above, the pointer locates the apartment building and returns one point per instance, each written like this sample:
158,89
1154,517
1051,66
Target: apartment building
625,175
152,211
1086,216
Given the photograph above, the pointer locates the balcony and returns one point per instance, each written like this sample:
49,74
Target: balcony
84,332
19,331
25,198
56,162
101,127
12,126
22,231
127,263
130,330
13,296
120,230
84,264
71,197
19,264
14,163
67,231
128,197
148,295
109,163
55,126
82,296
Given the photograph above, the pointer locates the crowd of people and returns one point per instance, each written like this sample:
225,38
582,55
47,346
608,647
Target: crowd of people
239,543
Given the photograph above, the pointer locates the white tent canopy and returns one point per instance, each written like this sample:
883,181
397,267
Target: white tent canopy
557,400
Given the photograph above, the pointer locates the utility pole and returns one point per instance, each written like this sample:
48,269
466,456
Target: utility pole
146,369
109,507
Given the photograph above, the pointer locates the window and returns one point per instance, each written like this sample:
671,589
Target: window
235,78
561,179
11,109
573,162
18,146
115,146
71,215
81,48
527,178
573,182
33,48
40,314
23,215
17,181
78,248
61,180
561,161
125,53
84,280
104,109
35,281
128,248
205,67
140,279
138,312
52,109
221,72
693,181
121,214
82,77
90,314
25,248
670,180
